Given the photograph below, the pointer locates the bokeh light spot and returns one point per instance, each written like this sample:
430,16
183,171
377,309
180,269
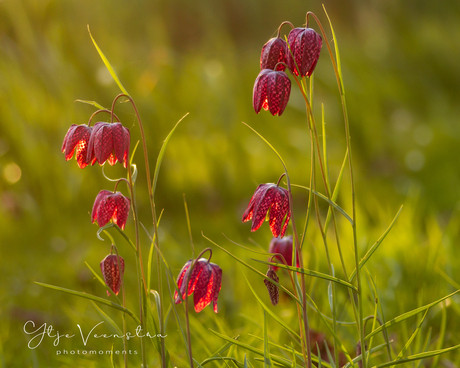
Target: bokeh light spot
12,173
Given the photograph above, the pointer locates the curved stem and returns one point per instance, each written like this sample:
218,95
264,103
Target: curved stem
281,26
118,181
102,110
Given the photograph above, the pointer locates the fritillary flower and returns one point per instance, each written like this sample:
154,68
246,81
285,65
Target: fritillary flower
305,46
274,52
109,142
271,91
110,206
273,199
205,282
283,247
273,291
112,271
77,139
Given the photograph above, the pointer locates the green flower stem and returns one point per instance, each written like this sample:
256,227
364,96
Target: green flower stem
305,328
152,207
139,267
352,182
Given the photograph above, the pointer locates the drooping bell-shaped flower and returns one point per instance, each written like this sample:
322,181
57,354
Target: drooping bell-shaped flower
305,46
77,139
273,199
205,282
271,91
273,291
109,142
284,247
110,206
274,52
112,271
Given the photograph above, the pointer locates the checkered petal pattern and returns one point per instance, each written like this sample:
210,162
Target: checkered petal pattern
272,199
305,47
109,142
77,140
110,206
112,271
273,52
271,91
205,283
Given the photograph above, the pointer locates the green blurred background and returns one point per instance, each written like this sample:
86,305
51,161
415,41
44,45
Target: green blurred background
402,80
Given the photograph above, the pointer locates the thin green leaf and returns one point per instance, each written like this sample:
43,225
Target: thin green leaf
309,273
282,361
337,54
161,154
442,333
92,297
335,194
92,103
267,360
374,247
414,334
269,144
108,66
409,314
108,319
96,275
358,358
425,355
323,197
270,312
218,353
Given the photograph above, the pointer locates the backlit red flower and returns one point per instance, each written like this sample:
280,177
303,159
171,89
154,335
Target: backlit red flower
110,268
77,138
110,206
283,247
305,46
273,199
271,91
109,142
205,282
273,52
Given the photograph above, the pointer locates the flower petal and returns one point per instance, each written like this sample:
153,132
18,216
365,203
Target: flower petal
111,272
262,206
279,90
203,289
180,279
101,195
105,210
121,212
216,284
273,291
273,52
259,92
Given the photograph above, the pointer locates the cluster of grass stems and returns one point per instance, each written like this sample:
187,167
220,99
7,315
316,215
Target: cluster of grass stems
320,189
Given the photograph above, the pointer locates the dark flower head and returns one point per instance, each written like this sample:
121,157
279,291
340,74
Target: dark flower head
109,142
283,247
111,272
305,46
273,52
271,91
273,291
110,206
269,197
77,137
205,281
